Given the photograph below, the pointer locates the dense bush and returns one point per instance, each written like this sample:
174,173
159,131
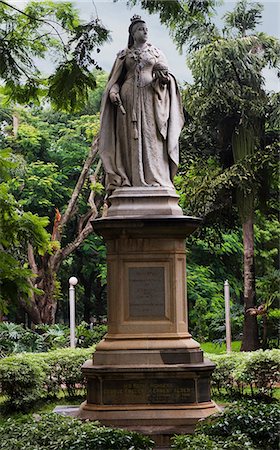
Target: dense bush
21,380
237,441
16,339
52,431
250,425
257,420
64,370
259,370
87,337
26,377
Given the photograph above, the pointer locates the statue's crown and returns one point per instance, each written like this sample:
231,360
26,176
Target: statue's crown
135,18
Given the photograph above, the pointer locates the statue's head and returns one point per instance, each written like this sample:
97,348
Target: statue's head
136,25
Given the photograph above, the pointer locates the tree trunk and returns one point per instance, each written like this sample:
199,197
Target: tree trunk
31,309
47,302
265,330
250,339
244,141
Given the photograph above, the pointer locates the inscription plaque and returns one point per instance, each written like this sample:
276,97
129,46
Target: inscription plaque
119,392
146,292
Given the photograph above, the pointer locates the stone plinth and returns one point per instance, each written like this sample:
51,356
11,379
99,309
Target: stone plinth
147,374
143,202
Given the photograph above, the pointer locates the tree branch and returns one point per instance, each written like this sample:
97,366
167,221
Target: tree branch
79,239
38,20
31,259
82,178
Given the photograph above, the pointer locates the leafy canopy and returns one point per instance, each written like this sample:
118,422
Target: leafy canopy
48,28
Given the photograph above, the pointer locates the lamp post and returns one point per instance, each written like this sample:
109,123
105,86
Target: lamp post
227,309
72,282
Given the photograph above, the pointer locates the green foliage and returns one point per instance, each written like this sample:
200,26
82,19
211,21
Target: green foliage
53,336
22,380
187,21
214,256
31,141
258,370
201,441
251,425
223,376
87,337
78,82
261,370
42,27
16,339
219,348
259,421
64,370
27,377
204,294
62,433
17,228
43,188
244,18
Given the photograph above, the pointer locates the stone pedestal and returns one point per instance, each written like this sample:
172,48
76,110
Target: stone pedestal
143,202
147,374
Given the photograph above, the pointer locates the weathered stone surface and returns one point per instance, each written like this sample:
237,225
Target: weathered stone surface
144,202
141,118
148,374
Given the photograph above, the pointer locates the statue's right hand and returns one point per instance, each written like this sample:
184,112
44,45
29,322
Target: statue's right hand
114,97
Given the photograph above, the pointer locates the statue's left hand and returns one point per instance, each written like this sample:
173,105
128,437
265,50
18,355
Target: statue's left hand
162,76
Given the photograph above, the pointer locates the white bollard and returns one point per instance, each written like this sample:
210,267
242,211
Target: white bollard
72,282
227,309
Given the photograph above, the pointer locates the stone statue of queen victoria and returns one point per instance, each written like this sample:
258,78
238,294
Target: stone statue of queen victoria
141,117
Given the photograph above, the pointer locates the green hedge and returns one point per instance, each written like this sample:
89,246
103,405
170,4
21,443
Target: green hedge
250,425
55,432
237,441
27,377
258,370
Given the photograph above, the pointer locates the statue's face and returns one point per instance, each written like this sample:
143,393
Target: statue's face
140,33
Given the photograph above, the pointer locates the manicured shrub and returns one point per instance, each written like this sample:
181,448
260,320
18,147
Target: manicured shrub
22,380
237,441
64,370
26,377
258,420
55,432
247,425
260,370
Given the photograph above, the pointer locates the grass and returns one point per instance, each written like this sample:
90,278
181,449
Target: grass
40,407
219,349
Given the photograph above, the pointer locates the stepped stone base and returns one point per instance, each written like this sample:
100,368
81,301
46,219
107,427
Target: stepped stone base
143,202
147,374
157,400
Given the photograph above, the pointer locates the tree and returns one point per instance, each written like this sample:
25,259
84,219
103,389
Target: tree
228,97
18,229
189,21
35,31
68,186
31,33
